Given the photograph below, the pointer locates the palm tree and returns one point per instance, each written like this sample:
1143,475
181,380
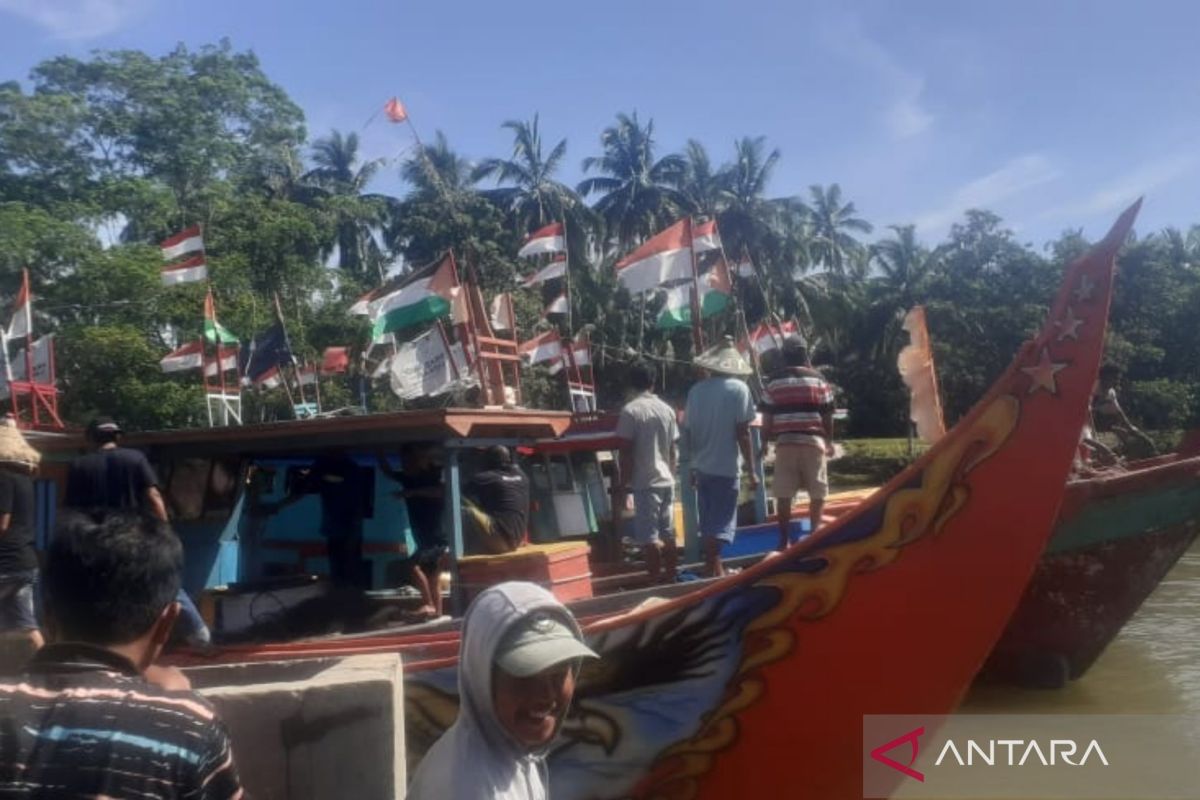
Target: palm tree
533,197
340,181
702,185
436,170
639,195
749,219
833,226
904,266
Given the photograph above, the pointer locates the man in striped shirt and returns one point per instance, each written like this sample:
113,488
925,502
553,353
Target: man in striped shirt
798,416
84,720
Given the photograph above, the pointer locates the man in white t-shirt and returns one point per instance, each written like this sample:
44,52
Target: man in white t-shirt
648,430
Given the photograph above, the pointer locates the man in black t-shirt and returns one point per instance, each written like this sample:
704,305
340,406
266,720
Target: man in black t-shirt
115,478
496,509
344,490
421,479
18,559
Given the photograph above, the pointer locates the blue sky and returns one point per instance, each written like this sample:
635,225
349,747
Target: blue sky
1053,114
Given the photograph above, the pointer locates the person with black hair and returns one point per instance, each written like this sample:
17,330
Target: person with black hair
116,478
421,480
648,430
496,505
84,718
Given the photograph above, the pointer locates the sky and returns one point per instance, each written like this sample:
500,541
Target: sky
1055,115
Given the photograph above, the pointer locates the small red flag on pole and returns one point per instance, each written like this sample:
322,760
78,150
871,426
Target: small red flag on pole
395,110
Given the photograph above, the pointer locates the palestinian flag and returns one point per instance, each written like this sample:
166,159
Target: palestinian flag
550,239
190,271
715,291
661,259
546,347
555,269
214,331
190,356
705,237
423,296
182,243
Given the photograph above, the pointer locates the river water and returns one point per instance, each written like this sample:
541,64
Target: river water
1152,667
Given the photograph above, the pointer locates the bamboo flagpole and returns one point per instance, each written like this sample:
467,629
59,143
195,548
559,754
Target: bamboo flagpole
288,343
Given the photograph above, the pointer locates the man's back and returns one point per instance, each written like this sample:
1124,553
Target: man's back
799,398
16,544
504,494
80,722
116,478
649,425
716,407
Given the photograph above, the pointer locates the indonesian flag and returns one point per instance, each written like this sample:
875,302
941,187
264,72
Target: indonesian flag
214,331
423,296
188,241
559,305
581,351
269,379
501,314
715,291
335,360
661,259
767,338
705,237
307,376
915,363
190,356
555,269
228,360
546,347
190,271
549,239
395,110
22,317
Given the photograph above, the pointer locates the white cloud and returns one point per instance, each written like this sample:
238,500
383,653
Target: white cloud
1127,188
75,19
1015,177
904,115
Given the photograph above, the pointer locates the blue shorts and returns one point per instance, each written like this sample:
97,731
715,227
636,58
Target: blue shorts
652,513
17,611
716,505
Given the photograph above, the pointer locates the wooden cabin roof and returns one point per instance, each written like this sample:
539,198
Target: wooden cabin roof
362,431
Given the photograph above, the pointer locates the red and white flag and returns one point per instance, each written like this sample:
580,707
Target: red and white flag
768,337
661,259
546,347
559,305
182,243
307,376
501,313
705,237
21,324
549,239
228,361
744,268
269,379
190,356
335,360
555,269
190,271
395,110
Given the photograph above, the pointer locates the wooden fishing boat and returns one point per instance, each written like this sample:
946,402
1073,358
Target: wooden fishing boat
722,687
1117,536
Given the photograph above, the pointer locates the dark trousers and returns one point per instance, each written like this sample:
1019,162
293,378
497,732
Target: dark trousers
346,559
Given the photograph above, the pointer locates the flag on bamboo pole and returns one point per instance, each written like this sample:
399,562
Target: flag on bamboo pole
768,337
362,306
190,271
559,305
214,331
307,375
423,296
545,347
395,110
501,313
269,379
550,239
581,351
715,292
181,359
555,269
661,259
228,357
915,363
21,324
182,243
705,237
335,360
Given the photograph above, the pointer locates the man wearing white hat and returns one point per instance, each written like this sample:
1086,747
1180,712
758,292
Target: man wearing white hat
716,426
18,559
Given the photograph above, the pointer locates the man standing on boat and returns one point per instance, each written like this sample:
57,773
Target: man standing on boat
648,431
799,417
716,425
496,505
344,490
421,479
115,478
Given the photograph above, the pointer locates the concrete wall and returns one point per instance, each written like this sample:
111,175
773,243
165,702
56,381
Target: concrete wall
313,729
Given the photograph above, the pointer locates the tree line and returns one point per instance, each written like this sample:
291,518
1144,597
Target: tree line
101,159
